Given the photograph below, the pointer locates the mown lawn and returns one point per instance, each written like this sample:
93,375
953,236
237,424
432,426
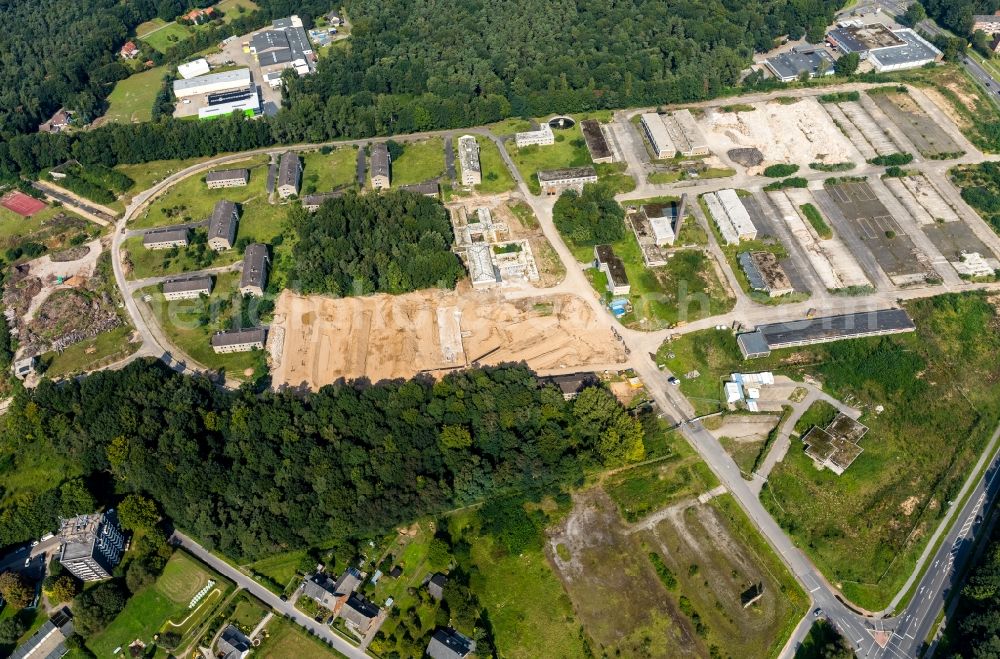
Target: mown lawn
326,172
190,324
496,176
281,568
175,261
163,38
132,99
285,639
420,161
148,174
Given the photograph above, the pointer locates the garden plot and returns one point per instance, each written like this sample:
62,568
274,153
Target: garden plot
800,132
830,259
930,139
865,128
894,251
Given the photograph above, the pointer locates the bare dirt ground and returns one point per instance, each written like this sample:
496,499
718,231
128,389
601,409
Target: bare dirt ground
73,274
616,594
801,132
384,336
946,107
745,427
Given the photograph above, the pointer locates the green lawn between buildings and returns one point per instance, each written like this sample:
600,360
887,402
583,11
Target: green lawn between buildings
421,161
324,172
101,350
285,639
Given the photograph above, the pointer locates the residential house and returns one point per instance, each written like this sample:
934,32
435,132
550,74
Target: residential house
240,340
611,265
187,288
165,238
427,188
228,178
199,16
129,50
436,584
233,644
57,122
329,593
359,614
289,175
554,181
255,269
446,643
222,225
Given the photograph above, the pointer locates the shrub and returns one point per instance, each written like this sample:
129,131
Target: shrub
780,170
896,159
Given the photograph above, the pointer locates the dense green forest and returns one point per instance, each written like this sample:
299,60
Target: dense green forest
255,473
418,66
957,15
589,218
361,244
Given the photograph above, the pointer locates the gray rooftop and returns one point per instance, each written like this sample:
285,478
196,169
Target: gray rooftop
227,175
233,642
425,188
288,170
867,37
239,337
187,284
914,49
594,137
753,343
549,175
359,610
168,234
317,199
446,643
237,79
380,160
222,224
832,328
254,265
49,641
794,63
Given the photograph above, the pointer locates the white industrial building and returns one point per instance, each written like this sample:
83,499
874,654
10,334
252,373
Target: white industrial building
730,216
542,136
198,67
659,139
887,50
468,160
554,181
677,132
216,82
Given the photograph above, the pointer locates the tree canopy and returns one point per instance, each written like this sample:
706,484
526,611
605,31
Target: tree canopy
253,474
590,218
359,244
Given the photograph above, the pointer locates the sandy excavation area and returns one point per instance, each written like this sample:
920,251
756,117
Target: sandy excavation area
800,132
316,340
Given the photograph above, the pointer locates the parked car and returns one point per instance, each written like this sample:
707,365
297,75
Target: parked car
673,380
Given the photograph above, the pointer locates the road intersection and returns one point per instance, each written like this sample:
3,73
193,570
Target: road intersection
872,634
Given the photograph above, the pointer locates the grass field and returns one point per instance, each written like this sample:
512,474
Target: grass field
496,177
105,348
147,174
145,28
820,413
248,613
420,161
165,36
526,604
191,200
280,569
40,228
189,324
865,528
640,490
286,639
131,100
323,173
148,612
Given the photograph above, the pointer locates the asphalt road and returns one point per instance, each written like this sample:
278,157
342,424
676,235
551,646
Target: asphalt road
72,202
286,609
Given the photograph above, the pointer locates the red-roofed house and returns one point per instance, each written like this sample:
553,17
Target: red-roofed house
129,50
198,16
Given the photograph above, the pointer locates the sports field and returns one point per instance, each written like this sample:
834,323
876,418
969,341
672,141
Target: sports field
22,204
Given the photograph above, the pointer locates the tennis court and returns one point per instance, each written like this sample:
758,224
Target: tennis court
22,204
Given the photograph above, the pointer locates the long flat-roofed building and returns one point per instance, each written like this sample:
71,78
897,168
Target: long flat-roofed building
381,167
312,202
165,238
193,69
222,225
227,178
730,216
611,265
656,133
823,330
685,133
597,143
255,267
216,82
92,545
427,189
988,23
284,46
241,340
765,273
289,175
187,288
482,272
541,136
554,181
49,642
468,160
